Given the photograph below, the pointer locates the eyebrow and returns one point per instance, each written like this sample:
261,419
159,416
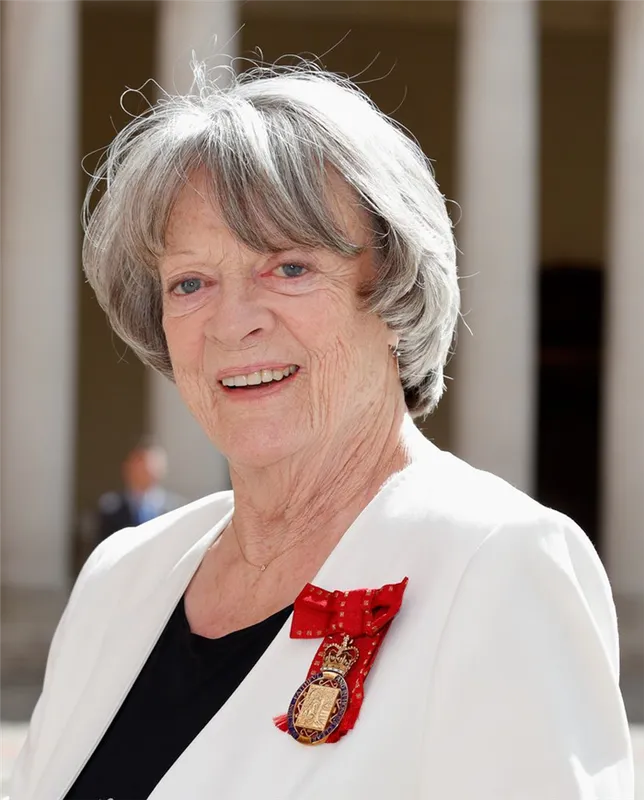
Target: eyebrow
176,253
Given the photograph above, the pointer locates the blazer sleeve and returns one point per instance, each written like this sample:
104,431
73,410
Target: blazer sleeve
524,702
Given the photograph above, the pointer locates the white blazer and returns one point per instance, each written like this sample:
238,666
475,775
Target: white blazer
497,680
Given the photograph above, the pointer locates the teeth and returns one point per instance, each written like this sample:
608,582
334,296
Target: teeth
263,376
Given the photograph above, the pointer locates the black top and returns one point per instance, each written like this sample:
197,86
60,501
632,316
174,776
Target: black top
183,684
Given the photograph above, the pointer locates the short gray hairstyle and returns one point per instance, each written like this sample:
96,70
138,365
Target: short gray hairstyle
268,140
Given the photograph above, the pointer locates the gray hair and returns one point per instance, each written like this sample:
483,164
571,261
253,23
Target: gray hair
268,140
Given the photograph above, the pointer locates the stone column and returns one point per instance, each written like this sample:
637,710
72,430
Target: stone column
495,368
623,385
211,30
40,272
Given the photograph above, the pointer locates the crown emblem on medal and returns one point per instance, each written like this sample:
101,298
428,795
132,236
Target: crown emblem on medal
340,658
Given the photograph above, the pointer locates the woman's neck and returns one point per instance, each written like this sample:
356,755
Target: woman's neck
313,497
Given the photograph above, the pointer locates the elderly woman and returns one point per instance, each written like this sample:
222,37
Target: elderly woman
281,251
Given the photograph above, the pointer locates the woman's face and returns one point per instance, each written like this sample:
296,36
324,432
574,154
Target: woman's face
232,315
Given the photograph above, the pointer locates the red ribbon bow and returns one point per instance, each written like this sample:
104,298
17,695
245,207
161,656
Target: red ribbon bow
362,614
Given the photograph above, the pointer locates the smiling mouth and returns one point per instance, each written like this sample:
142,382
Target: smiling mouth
260,378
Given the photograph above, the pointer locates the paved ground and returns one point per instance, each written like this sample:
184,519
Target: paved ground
12,735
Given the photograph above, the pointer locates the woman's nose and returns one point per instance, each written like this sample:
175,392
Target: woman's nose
238,318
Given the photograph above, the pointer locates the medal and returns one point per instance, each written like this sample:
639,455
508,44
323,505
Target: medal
353,625
318,706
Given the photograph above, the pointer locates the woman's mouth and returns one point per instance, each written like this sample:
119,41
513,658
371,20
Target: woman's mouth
259,378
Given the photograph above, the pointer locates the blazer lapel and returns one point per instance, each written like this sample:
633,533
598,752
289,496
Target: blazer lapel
124,650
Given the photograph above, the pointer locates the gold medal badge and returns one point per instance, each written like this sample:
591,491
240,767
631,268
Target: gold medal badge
318,706
352,625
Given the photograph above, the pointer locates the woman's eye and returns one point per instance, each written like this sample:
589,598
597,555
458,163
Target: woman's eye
189,286
290,271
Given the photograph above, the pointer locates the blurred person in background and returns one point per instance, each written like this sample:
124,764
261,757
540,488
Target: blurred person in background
280,249
143,497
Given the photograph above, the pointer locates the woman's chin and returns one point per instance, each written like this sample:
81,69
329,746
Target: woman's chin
256,449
